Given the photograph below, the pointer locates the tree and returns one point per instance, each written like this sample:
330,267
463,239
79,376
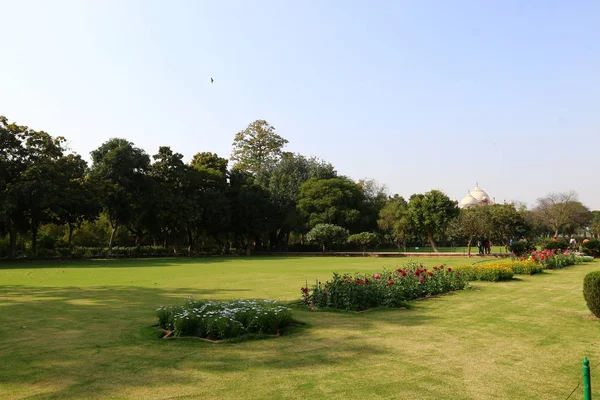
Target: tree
376,197
595,224
364,240
394,220
283,180
336,201
250,209
431,213
256,147
37,187
327,235
119,170
12,164
560,210
77,201
472,223
507,223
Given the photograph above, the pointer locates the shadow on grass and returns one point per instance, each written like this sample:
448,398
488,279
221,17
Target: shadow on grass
135,262
99,342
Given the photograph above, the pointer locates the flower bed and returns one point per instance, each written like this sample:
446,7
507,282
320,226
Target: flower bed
551,259
217,320
487,271
386,289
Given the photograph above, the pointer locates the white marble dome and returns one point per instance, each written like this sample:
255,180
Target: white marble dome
469,201
475,198
479,193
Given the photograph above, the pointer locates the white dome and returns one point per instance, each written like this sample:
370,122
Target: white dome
479,193
468,201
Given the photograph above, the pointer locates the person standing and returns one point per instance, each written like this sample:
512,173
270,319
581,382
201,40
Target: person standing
488,248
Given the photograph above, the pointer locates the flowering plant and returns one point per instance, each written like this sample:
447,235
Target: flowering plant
388,288
224,320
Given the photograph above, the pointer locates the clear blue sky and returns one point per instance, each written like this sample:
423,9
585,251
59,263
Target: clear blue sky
416,94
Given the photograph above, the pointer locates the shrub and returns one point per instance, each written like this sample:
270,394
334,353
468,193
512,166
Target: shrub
559,245
591,248
521,248
591,292
224,320
327,234
363,240
386,289
487,271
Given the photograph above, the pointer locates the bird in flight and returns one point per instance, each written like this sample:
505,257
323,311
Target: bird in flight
212,80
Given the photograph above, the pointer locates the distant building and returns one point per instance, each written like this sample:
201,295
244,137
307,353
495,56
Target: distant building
475,198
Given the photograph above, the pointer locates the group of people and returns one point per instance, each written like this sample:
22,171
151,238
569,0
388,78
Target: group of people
485,245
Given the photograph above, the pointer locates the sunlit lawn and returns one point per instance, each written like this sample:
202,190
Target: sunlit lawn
83,330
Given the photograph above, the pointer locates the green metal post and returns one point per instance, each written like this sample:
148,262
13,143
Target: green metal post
587,380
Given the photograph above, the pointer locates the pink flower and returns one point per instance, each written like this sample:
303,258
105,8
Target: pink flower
377,276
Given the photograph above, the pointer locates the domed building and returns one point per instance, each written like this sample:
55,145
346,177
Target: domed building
475,198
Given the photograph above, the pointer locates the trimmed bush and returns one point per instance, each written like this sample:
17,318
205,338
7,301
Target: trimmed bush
521,248
591,292
591,248
560,245
386,289
224,320
487,271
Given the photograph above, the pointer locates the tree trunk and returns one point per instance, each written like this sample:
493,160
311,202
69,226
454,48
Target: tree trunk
432,241
71,228
249,248
34,234
12,251
112,238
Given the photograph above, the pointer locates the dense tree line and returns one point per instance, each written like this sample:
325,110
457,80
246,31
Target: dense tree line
267,200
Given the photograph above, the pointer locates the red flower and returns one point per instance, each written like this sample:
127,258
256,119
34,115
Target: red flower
305,290
430,273
441,267
403,273
418,272
360,281
325,294
435,268
390,283
449,269
542,258
457,272
421,280
366,280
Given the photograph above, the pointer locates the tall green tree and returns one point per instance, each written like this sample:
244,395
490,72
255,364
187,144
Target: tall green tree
250,210
471,224
12,165
395,220
119,171
337,201
431,213
507,223
283,180
77,199
256,147
37,187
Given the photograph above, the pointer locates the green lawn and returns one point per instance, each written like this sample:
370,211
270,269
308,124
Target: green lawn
83,330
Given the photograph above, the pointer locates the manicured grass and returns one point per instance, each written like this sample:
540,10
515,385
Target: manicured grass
82,330
464,249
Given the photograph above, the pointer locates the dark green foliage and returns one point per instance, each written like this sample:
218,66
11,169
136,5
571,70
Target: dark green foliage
591,248
560,245
591,292
337,201
327,234
521,248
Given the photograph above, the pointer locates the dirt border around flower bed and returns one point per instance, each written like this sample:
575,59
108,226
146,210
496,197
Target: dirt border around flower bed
166,334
